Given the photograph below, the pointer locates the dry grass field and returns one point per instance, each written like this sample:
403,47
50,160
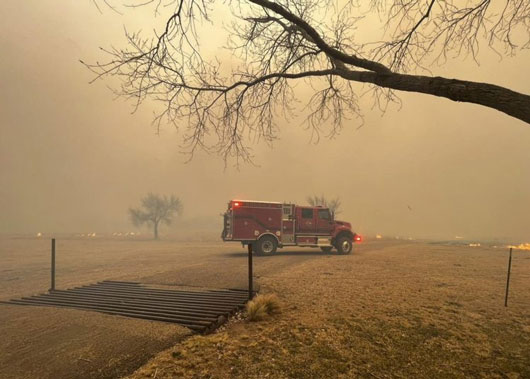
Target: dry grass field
392,309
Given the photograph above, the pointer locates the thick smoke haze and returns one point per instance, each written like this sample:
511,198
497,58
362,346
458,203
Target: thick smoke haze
74,159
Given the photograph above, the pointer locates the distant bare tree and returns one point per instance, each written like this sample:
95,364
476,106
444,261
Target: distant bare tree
154,210
278,43
332,204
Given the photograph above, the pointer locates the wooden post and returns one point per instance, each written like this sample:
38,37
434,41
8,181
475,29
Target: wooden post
250,274
508,279
52,288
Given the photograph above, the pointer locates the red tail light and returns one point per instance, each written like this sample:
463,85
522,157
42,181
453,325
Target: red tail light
358,238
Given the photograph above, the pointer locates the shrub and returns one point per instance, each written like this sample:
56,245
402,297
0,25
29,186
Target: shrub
262,306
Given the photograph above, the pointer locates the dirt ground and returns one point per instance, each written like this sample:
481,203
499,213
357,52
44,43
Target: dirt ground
58,343
391,309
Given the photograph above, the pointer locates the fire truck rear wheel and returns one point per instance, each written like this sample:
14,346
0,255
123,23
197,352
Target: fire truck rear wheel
266,245
344,245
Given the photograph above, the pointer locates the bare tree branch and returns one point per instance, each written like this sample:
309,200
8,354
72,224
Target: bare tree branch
276,44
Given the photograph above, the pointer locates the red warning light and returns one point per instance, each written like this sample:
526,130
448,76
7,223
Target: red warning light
358,238
236,204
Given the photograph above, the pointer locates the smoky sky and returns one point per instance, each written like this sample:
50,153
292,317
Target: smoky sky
73,158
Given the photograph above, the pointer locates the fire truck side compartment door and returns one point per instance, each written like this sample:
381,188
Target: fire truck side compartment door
288,224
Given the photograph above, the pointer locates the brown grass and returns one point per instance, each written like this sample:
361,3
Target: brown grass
406,310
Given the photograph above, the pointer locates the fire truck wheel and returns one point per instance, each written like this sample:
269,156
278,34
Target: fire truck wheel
266,245
344,245
326,249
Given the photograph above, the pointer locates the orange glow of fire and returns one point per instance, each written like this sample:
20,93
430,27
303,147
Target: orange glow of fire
522,246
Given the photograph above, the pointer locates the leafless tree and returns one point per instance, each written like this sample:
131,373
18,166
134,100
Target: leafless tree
222,106
154,210
332,204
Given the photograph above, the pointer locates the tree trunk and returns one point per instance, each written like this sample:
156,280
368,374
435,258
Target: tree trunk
156,229
510,102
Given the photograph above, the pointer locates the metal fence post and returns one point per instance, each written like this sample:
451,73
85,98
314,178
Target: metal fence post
250,274
508,279
52,288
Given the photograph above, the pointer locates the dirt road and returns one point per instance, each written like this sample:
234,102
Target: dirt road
25,263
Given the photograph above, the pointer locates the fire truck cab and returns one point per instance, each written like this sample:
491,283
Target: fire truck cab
271,225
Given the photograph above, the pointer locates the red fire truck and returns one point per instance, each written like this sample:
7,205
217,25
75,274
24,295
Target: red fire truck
269,225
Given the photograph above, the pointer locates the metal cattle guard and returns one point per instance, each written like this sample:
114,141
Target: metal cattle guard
201,311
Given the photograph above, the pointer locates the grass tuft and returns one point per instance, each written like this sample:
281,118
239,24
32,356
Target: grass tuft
262,306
